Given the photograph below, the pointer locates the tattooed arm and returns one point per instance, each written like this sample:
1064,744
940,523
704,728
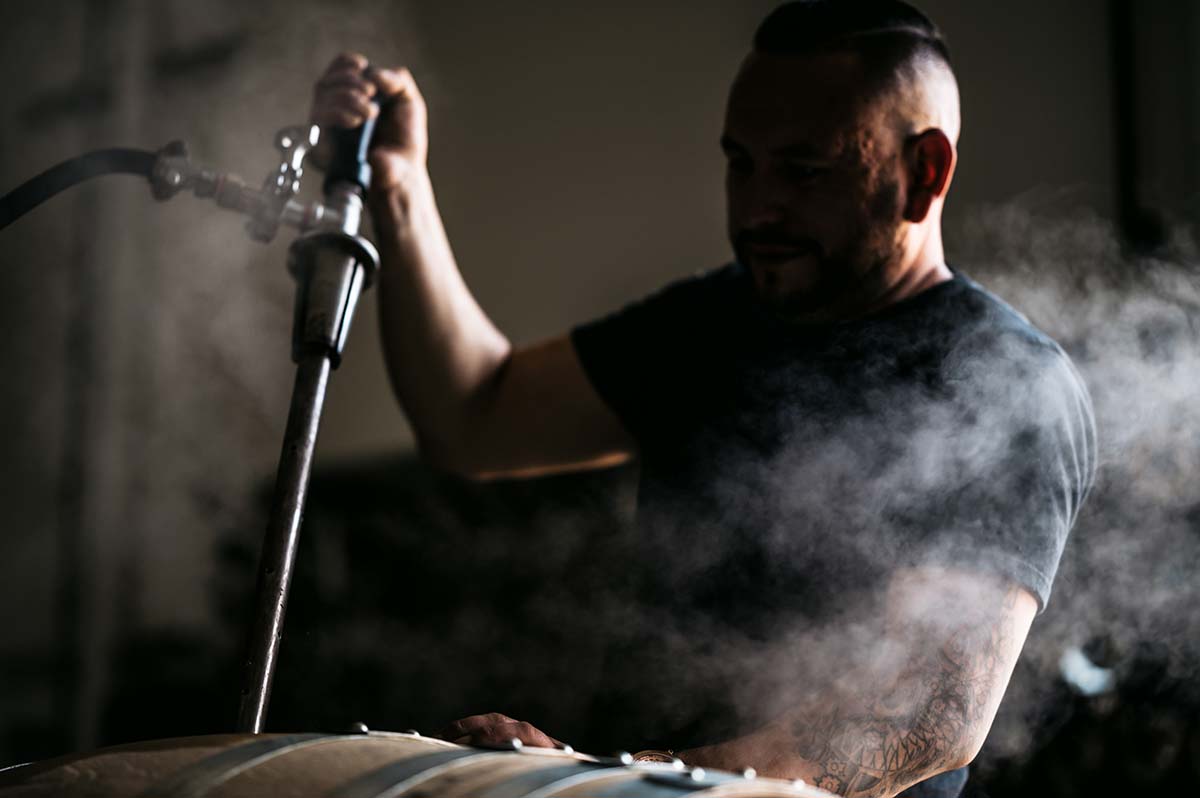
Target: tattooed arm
919,704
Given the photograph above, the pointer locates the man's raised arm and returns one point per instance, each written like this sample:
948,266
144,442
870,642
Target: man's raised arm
918,704
478,406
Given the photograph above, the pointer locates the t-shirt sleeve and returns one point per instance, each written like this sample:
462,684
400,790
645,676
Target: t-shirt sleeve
1017,465
639,358
611,352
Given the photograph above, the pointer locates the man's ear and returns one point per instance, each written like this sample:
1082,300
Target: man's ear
929,162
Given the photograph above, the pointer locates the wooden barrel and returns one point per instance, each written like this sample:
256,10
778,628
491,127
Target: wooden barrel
367,765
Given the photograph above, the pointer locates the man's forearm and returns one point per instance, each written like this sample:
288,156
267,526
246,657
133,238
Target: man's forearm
442,351
853,754
873,753
918,704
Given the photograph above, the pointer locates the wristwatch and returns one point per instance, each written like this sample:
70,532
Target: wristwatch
655,755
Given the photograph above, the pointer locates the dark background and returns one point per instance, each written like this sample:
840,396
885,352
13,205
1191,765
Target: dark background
574,150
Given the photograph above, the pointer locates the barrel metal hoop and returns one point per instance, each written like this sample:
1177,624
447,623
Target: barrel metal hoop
627,787
688,777
392,780
197,779
688,783
520,785
642,788
653,783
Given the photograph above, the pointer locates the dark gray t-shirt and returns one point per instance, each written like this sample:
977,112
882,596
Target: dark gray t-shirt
787,470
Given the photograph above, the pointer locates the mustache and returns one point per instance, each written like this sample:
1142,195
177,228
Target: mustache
777,238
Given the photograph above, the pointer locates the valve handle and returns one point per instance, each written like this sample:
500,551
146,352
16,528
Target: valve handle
349,160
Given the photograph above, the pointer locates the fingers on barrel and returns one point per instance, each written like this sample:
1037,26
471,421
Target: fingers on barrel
494,729
468,725
501,734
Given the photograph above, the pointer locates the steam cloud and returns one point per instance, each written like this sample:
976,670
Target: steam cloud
1129,322
1127,577
1127,580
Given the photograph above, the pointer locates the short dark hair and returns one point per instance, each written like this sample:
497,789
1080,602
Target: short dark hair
887,33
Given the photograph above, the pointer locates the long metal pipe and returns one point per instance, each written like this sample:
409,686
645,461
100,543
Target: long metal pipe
282,538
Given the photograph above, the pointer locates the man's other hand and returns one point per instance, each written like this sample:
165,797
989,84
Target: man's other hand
494,729
343,97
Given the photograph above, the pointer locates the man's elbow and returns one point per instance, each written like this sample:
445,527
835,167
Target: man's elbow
969,745
453,458
473,455
960,748
950,741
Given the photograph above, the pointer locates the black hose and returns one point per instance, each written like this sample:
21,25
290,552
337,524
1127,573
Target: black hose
35,191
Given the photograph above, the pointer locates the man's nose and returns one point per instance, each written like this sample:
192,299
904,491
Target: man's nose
764,203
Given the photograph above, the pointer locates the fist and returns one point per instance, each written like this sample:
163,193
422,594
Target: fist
350,91
494,729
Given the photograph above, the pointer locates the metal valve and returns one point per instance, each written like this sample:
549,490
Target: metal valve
281,185
268,207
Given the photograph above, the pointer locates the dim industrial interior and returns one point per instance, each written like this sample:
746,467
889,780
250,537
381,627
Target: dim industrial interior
576,159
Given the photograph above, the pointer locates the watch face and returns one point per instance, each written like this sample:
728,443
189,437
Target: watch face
654,756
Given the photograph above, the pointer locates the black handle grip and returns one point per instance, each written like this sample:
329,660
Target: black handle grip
349,160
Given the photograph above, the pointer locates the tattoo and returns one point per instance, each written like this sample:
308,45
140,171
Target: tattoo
923,719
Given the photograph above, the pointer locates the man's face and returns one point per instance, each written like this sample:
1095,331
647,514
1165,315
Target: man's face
812,184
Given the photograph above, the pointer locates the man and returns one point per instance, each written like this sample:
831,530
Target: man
858,468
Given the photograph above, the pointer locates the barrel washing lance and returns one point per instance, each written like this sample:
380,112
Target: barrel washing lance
332,264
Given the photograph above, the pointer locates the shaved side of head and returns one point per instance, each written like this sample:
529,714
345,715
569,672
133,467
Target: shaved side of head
907,73
923,94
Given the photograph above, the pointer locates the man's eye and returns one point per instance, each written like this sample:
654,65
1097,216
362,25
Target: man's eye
799,171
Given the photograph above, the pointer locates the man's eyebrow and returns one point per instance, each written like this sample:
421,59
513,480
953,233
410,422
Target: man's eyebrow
797,151
801,152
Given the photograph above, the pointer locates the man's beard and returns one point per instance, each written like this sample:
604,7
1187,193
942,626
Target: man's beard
814,282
